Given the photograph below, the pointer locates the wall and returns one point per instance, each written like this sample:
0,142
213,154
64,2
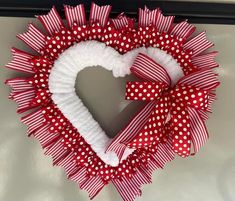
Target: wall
27,175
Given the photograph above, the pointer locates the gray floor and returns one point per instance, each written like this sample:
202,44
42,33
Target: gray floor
27,175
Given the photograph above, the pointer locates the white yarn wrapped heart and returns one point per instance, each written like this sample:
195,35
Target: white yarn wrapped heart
91,54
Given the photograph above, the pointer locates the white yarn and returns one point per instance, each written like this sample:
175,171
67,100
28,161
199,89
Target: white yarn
90,54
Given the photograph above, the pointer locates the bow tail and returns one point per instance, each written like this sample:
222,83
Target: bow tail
180,127
199,133
153,130
158,80
118,145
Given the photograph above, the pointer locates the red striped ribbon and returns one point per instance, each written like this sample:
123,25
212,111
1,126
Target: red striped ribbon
99,13
198,44
121,21
21,61
75,15
52,21
155,18
33,38
183,30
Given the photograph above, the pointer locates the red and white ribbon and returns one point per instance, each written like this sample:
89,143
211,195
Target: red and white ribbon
52,21
121,21
33,38
21,61
155,18
147,17
183,29
198,44
179,103
75,15
99,13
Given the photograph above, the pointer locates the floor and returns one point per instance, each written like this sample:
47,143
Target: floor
27,175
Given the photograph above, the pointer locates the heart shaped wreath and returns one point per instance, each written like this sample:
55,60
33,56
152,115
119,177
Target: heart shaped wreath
178,86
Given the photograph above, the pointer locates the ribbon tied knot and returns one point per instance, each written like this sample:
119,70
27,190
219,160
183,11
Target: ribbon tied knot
177,109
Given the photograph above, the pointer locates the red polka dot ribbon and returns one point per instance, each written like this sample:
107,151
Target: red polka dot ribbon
170,115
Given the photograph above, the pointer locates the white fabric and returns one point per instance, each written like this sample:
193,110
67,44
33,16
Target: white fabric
90,54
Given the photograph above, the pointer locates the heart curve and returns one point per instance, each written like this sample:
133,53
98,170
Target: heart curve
68,145
92,53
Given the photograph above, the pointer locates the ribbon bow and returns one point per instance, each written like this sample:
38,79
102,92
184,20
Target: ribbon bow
178,110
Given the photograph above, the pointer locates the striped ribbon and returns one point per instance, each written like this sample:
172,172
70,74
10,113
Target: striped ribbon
52,21
75,15
33,38
155,18
99,13
121,21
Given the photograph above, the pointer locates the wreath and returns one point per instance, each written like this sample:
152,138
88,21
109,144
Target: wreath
177,84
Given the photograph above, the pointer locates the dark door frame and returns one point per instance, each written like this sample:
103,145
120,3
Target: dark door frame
195,12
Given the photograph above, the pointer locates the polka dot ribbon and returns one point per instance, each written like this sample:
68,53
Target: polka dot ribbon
170,115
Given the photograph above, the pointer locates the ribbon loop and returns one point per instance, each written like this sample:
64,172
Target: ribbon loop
144,90
191,96
180,127
153,131
146,68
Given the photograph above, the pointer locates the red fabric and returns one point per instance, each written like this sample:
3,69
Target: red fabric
171,111
64,143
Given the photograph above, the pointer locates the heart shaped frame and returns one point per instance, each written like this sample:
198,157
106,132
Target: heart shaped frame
62,81
64,126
